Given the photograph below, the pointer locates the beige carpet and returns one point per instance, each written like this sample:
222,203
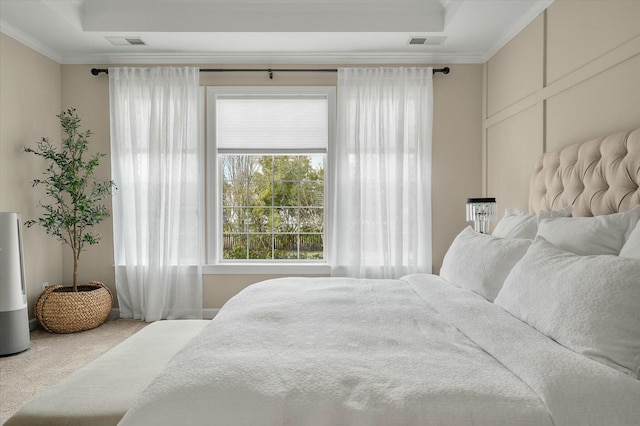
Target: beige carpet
52,357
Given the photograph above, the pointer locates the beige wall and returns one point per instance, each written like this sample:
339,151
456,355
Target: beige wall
457,152
91,101
29,103
571,75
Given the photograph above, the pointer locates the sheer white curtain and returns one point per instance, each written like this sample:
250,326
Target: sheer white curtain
156,164
380,219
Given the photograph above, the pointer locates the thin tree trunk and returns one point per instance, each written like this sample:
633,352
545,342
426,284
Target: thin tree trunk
76,251
75,271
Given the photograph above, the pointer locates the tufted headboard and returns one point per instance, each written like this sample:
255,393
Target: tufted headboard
600,176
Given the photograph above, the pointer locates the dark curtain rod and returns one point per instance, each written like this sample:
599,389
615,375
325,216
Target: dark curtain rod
96,71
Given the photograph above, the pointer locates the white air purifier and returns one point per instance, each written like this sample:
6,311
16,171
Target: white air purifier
14,318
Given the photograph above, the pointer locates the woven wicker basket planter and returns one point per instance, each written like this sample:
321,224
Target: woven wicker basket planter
62,310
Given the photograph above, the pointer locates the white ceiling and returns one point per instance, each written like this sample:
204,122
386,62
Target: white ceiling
266,31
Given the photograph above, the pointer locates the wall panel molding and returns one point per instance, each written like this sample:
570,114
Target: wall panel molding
609,60
616,56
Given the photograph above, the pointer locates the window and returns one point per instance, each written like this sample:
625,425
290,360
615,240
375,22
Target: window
267,161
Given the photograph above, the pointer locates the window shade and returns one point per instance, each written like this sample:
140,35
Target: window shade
272,124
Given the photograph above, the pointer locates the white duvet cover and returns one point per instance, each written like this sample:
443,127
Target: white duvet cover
415,351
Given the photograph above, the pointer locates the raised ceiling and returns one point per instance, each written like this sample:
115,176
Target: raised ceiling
266,31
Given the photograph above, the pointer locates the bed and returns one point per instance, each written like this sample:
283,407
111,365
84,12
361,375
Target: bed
537,324
528,326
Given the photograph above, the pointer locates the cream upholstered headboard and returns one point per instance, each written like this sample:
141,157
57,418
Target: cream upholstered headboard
600,176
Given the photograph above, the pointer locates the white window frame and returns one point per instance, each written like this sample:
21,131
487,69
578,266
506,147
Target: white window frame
215,263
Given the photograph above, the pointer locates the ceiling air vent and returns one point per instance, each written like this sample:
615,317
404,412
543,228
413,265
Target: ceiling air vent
427,40
126,41
136,41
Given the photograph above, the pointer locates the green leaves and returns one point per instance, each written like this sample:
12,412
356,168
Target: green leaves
272,206
76,196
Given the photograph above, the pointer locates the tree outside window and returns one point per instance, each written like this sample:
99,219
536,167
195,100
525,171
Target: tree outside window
273,206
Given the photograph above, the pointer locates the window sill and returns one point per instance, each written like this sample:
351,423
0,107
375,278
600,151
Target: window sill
267,269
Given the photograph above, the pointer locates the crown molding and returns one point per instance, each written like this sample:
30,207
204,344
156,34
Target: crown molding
29,41
279,58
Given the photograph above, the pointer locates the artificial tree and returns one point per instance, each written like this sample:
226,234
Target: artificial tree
76,196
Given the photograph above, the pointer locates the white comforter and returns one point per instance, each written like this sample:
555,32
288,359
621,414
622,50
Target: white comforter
415,351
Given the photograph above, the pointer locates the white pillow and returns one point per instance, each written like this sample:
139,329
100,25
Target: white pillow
516,224
589,304
604,234
519,224
632,247
563,212
480,262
